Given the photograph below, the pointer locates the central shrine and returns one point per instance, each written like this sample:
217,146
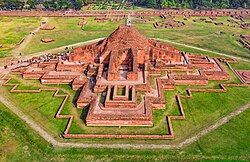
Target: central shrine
123,60
126,53
122,78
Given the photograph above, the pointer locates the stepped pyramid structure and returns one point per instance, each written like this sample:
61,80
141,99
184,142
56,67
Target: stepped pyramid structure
127,48
122,78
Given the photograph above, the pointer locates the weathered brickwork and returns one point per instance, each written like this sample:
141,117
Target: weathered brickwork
169,119
122,79
111,72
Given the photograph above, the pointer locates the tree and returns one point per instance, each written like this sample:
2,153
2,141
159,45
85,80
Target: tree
224,4
171,3
85,2
78,4
31,4
63,4
235,3
206,4
148,3
184,3
46,5
13,4
1,3
164,4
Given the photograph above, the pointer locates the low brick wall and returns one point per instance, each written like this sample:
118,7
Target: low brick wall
32,75
120,104
149,101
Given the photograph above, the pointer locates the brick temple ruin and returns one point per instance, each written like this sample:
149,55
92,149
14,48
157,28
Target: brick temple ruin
122,78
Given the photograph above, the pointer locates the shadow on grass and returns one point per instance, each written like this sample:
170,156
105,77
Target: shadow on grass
76,96
84,113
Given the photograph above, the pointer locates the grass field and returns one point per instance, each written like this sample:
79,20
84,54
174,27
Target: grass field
201,110
199,34
67,32
13,30
19,142
229,142
203,35
242,65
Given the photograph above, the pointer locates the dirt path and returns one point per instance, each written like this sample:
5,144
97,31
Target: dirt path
60,49
16,51
214,126
201,49
56,143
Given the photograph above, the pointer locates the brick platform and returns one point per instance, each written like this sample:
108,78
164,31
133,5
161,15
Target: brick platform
122,78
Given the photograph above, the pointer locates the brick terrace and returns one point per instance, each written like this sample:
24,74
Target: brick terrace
109,74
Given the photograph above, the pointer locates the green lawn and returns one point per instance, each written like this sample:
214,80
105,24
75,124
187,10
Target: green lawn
199,34
229,142
67,31
13,30
203,35
231,139
19,142
201,110
242,65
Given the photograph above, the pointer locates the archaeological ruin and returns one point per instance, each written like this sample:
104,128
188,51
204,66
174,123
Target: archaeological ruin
122,78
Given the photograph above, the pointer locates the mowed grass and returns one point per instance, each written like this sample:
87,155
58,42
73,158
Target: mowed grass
13,30
19,142
242,65
42,107
201,110
231,139
208,36
199,34
67,32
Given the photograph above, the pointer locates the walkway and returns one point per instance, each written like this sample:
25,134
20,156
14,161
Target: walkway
60,49
16,51
50,139
201,49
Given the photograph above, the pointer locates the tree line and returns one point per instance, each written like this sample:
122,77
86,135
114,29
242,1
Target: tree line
46,4
158,4
196,4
